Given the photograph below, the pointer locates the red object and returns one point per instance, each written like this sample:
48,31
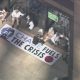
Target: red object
49,59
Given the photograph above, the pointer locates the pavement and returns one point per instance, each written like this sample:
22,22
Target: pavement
18,65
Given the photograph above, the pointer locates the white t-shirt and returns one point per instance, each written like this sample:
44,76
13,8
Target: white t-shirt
31,25
40,31
16,14
55,38
28,19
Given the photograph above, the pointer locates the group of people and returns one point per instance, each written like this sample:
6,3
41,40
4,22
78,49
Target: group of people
42,37
39,38
16,15
53,37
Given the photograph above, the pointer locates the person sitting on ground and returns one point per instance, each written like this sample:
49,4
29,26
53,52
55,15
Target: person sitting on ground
16,14
38,39
40,31
48,35
55,38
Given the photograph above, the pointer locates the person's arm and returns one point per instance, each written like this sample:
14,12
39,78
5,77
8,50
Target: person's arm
21,14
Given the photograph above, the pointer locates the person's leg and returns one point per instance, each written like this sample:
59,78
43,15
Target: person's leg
13,21
4,17
17,20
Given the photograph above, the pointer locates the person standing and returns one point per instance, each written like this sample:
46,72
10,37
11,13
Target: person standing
3,14
16,14
28,19
31,25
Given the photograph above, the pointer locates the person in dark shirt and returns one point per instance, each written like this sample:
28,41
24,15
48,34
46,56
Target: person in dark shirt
37,39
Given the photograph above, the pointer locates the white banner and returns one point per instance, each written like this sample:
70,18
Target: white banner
24,42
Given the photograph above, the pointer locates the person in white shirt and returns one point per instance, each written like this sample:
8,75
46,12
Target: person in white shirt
3,14
28,19
55,38
40,31
16,14
31,25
